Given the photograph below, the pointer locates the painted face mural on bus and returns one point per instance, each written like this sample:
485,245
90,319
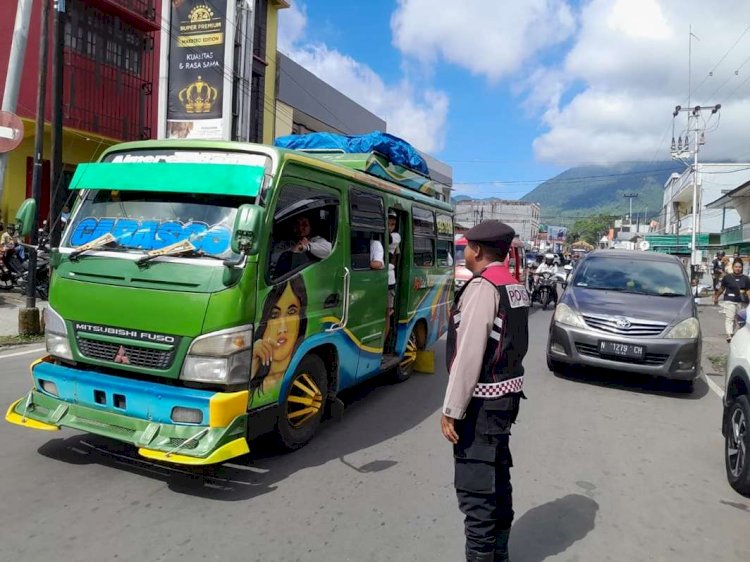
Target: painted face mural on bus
281,330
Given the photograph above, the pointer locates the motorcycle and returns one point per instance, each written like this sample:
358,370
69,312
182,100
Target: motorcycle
11,268
41,278
564,276
545,290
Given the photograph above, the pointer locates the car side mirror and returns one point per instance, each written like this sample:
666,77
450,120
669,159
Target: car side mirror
246,225
25,217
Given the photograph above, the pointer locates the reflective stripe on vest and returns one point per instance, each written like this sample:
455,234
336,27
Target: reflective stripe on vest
498,389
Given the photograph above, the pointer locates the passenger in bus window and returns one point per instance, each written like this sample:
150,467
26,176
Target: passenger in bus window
282,328
377,255
298,249
393,253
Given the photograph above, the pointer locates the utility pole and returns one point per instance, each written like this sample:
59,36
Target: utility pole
15,69
682,149
58,45
630,197
28,318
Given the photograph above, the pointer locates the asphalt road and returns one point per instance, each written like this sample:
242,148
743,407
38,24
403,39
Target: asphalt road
606,468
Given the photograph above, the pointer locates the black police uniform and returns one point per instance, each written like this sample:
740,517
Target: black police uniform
482,454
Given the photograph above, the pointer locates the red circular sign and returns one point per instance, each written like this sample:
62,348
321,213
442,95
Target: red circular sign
11,131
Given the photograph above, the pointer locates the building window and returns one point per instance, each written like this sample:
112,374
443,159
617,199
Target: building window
104,38
257,95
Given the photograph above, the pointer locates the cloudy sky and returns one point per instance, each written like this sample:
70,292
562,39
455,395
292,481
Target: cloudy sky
511,92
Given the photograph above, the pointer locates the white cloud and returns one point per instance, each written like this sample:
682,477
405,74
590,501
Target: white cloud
292,25
418,115
629,67
492,39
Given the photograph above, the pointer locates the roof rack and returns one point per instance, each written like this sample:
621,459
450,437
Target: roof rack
378,154
377,165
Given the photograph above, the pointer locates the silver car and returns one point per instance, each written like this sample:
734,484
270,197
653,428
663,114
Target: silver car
629,311
736,419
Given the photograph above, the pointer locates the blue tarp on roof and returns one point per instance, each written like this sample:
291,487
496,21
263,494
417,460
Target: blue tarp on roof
397,151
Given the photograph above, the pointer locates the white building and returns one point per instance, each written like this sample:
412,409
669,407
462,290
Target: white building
714,181
523,217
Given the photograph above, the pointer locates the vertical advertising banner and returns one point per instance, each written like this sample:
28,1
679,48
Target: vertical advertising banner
557,233
196,79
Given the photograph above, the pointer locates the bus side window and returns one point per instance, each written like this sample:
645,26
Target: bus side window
304,230
367,218
424,237
445,252
361,244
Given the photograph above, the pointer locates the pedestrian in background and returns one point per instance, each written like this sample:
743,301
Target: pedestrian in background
735,287
487,341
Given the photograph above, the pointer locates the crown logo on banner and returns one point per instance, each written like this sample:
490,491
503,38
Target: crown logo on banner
198,96
200,13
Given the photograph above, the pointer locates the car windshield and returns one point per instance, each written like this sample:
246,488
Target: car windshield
142,220
644,277
460,254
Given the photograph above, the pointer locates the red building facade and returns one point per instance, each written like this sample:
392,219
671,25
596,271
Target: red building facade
111,58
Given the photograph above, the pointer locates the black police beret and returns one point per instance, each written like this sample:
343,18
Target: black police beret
493,234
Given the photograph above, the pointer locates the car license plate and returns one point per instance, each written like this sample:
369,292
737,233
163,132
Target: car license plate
627,350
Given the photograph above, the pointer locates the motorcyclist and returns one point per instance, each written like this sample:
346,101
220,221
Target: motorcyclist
549,267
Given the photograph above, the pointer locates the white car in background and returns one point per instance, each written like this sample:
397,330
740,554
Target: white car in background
736,419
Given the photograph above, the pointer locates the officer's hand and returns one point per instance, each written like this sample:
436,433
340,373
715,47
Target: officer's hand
449,429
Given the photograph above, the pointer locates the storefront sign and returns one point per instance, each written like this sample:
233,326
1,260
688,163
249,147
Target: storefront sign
197,81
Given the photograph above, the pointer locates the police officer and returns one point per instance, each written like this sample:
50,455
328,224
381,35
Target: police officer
487,341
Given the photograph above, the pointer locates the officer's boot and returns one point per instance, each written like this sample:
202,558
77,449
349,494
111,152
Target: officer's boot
474,556
501,546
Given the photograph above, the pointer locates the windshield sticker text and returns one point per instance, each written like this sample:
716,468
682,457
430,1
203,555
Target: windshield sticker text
154,234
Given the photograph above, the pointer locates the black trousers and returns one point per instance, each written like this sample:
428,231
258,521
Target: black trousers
482,470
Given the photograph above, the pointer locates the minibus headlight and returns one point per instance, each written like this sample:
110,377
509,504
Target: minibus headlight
223,343
56,335
234,369
222,357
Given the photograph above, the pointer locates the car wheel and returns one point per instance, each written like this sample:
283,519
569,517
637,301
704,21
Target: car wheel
405,368
304,403
738,445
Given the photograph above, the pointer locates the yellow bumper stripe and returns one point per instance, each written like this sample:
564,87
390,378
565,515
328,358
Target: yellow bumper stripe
235,448
224,407
12,417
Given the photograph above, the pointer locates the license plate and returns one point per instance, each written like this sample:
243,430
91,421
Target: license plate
627,350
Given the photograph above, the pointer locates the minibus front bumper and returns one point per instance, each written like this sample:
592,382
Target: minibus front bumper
211,426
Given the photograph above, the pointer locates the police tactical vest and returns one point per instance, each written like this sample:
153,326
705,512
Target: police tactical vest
502,369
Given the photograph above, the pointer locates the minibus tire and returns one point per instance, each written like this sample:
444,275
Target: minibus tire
402,371
310,376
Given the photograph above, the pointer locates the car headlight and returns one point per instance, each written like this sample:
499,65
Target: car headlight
566,315
56,335
220,357
688,329
460,283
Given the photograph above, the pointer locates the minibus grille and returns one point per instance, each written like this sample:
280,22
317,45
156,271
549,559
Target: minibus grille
126,355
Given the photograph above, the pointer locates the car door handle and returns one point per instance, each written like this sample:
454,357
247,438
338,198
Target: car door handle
331,301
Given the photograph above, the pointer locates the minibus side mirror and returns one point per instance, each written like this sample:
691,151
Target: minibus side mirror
25,217
247,224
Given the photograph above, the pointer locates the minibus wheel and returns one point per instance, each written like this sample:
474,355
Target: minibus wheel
406,367
303,404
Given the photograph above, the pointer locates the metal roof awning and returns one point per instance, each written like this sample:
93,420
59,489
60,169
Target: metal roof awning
725,201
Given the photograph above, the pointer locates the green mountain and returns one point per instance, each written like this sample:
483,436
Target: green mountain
589,190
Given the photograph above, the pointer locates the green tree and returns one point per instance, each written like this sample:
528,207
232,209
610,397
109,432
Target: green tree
591,229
